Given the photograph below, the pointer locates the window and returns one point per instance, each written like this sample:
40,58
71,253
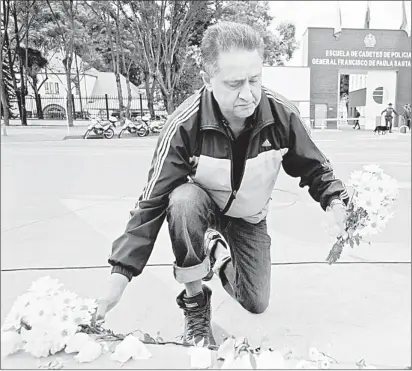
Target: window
51,87
378,95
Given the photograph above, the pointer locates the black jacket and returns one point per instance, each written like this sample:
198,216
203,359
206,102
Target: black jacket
193,146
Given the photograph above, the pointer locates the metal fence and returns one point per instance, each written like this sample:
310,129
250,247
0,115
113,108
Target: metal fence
55,108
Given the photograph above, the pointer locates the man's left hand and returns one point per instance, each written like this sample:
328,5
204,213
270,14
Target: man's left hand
339,214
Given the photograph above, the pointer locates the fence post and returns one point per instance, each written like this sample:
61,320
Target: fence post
107,106
141,105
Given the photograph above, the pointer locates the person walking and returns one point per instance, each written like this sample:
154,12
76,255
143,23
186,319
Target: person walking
389,111
406,115
357,115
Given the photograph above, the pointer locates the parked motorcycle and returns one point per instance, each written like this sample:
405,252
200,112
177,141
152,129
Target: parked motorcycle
154,126
134,128
101,128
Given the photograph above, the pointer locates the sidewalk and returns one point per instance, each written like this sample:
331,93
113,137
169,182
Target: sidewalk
39,133
357,309
348,321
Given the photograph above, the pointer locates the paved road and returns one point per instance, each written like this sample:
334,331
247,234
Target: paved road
64,201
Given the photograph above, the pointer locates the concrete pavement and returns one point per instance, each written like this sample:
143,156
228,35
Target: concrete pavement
63,202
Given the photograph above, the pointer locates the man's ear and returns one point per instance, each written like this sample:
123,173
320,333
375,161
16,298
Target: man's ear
206,79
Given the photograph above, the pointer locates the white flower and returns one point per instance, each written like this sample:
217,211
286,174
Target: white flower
130,347
228,346
88,304
373,168
200,357
37,312
67,299
241,362
89,352
45,286
37,342
76,342
11,342
369,230
75,317
59,334
370,201
17,312
270,360
388,186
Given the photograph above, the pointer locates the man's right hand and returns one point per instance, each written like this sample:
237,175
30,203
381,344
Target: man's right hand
117,284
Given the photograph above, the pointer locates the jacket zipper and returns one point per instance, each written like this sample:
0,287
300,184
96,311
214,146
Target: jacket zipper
232,182
229,134
235,189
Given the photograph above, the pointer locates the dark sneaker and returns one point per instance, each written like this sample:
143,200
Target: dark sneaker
212,237
197,317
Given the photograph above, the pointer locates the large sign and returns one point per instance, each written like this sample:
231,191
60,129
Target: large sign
364,58
369,51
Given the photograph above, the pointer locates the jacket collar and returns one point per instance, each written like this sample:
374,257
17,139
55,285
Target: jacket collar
212,117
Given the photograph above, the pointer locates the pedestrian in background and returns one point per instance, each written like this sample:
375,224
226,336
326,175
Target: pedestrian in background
406,115
389,116
357,115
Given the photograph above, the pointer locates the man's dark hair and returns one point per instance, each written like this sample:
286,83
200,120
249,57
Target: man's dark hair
225,36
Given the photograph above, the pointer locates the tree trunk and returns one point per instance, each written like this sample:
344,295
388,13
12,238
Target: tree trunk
129,92
152,94
69,90
149,95
22,92
170,106
68,67
129,89
3,102
115,59
12,71
78,85
37,97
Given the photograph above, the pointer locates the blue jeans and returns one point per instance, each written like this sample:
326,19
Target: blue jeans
246,276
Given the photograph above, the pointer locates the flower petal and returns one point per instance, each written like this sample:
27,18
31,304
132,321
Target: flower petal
89,352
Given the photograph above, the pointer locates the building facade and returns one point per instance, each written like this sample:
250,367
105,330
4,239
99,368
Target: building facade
291,82
378,63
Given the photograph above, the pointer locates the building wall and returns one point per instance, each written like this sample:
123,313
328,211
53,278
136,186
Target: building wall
357,98
291,82
328,57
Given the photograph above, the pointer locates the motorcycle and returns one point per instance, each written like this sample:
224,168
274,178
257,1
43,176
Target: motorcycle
134,128
154,126
100,128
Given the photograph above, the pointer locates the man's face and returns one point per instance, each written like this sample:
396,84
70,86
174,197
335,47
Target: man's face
237,84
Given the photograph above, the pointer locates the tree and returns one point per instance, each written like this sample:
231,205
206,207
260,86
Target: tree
279,45
4,78
110,18
35,63
13,36
163,29
70,32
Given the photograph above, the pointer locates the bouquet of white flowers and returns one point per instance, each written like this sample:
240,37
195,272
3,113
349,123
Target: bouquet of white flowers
43,319
368,210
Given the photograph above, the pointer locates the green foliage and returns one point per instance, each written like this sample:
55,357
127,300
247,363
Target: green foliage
162,50
279,45
35,60
344,85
